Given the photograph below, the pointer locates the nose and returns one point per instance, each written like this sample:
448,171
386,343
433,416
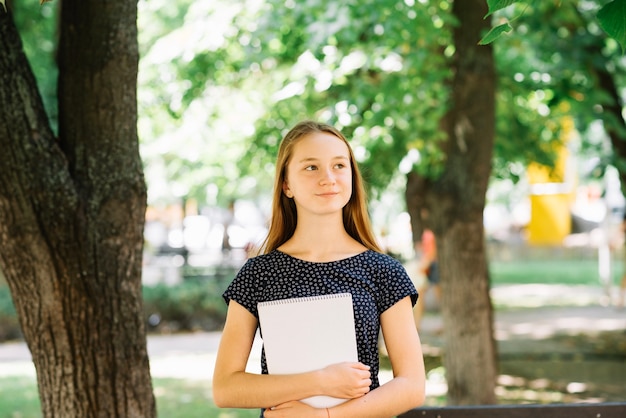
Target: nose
327,177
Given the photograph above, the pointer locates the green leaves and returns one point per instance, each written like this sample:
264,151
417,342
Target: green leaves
495,5
495,33
4,6
612,18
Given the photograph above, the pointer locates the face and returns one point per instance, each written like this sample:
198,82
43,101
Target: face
318,176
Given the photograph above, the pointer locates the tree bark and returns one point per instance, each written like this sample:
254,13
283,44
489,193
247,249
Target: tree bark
72,214
454,204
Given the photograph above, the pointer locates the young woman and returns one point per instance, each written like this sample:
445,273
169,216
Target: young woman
320,242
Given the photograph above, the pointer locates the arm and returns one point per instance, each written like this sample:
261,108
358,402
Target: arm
233,387
406,390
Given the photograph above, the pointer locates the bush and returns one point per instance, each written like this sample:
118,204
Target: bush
194,304
191,305
9,325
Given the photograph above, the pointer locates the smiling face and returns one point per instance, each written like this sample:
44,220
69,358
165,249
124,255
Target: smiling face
319,175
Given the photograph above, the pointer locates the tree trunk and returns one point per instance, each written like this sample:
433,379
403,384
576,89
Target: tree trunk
455,202
72,214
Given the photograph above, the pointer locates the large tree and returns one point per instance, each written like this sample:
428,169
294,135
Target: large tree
72,211
454,204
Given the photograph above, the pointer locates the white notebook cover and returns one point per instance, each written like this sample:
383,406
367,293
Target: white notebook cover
306,334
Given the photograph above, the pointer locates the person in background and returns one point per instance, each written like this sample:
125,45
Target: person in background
426,252
320,242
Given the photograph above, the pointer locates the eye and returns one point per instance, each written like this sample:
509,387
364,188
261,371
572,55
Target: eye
340,165
310,168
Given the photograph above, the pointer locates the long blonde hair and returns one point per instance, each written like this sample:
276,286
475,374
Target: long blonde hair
356,219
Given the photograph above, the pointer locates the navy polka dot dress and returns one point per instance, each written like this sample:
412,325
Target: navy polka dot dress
376,282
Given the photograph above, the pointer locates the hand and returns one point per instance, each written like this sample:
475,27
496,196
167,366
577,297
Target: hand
294,409
346,380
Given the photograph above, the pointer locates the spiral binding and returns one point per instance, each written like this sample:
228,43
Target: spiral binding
305,299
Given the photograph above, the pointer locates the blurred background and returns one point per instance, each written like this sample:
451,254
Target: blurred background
221,81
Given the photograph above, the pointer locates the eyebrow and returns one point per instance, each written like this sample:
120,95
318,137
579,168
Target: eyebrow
338,157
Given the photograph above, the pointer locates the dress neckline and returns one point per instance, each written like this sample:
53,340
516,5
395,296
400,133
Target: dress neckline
323,262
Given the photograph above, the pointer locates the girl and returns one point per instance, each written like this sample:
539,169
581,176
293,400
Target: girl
320,242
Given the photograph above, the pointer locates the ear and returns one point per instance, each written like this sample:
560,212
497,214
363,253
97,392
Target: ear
286,190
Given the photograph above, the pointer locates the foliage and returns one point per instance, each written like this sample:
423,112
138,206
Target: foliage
611,18
9,325
6,303
527,125
495,33
192,304
552,62
221,82
377,73
37,26
196,106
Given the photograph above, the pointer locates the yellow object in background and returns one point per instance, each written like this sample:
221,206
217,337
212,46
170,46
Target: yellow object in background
550,219
552,192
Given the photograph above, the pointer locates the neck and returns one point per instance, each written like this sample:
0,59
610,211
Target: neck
321,240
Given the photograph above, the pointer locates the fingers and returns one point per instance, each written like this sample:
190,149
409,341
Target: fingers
363,380
360,366
347,380
364,372
363,388
287,409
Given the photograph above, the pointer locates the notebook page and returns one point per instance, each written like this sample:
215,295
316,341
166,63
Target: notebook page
310,333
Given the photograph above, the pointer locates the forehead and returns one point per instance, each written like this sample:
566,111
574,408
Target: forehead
318,145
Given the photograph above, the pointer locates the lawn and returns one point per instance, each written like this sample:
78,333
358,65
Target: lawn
582,271
175,398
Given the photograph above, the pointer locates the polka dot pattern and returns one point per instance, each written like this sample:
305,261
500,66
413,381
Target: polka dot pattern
376,282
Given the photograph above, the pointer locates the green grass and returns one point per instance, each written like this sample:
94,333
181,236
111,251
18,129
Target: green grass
192,399
557,271
19,398
175,398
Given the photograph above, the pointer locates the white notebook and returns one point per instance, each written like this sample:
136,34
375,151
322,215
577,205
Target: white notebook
310,333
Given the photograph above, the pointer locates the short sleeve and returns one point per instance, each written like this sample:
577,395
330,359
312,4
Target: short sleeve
242,288
394,284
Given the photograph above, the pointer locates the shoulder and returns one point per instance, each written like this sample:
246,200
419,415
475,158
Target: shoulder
382,258
258,266
381,264
262,260
390,278
251,277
